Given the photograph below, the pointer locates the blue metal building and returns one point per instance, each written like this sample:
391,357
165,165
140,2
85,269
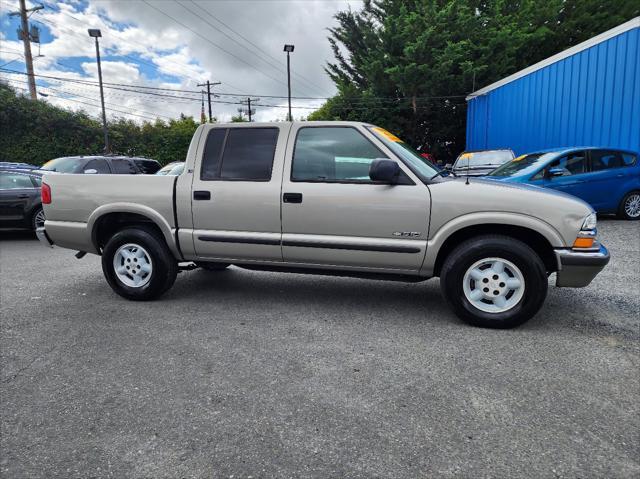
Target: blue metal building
588,95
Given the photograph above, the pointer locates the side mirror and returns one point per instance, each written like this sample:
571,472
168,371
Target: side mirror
90,171
555,172
384,171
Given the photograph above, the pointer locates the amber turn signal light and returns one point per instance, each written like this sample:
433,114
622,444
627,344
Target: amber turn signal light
583,243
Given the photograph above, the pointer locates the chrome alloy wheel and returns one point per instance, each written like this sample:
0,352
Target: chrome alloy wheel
38,221
632,205
494,285
133,265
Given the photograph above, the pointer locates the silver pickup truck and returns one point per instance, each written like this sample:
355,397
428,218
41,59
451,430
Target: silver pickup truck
340,198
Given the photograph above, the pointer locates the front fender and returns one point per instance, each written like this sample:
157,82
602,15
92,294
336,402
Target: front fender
437,239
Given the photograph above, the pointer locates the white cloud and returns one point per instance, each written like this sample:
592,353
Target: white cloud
133,30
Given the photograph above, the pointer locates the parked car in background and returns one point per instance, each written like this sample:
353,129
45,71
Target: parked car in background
480,163
607,179
20,203
172,169
429,157
118,165
17,166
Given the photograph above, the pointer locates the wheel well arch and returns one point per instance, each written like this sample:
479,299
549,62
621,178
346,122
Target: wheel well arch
110,223
530,237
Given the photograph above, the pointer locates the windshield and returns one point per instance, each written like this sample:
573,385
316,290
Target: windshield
62,165
419,165
483,158
166,169
523,165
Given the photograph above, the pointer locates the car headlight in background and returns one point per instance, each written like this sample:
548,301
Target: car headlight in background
590,222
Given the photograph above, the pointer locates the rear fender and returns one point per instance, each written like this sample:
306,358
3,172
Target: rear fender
165,227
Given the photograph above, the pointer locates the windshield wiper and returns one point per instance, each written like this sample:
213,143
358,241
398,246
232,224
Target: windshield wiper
442,173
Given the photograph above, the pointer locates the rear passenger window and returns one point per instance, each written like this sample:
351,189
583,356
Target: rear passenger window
212,152
123,167
628,159
99,165
248,154
605,160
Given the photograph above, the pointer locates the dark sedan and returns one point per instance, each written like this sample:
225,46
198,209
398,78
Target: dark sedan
20,203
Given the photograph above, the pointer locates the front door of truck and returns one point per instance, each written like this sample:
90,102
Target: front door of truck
235,194
333,214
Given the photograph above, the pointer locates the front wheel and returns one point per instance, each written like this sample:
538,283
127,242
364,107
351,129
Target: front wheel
138,265
630,206
494,282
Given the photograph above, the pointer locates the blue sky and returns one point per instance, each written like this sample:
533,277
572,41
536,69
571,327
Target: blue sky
175,45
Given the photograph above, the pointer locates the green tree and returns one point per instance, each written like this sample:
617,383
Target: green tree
408,65
36,132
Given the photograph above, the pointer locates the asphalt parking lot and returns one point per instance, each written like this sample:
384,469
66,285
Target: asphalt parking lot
250,374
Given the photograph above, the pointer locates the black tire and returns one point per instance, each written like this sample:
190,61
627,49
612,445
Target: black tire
165,266
494,246
212,266
35,221
622,213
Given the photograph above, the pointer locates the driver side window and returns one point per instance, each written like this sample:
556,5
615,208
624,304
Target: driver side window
571,164
333,154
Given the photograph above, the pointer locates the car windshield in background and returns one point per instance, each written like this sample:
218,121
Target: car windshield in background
423,167
62,165
483,158
522,165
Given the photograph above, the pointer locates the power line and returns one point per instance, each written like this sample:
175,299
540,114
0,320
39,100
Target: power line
175,90
212,43
115,33
90,98
277,66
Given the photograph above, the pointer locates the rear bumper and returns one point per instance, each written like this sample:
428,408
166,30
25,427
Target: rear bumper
42,235
576,269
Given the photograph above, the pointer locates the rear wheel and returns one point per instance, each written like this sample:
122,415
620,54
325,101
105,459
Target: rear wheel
494,282
630,206
37,218
138,265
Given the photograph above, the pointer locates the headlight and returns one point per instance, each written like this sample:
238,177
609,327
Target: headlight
590,222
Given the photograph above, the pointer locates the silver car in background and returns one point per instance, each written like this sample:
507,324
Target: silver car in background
480,163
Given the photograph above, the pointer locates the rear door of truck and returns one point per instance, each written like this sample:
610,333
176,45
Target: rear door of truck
235,194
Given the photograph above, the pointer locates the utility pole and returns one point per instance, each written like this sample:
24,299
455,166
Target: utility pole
24,35
209,85
248,111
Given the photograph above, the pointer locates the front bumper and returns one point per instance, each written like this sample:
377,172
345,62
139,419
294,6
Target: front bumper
576,269
42,235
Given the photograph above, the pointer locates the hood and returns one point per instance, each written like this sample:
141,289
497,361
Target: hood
453,198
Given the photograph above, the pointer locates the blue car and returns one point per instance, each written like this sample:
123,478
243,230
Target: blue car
607,179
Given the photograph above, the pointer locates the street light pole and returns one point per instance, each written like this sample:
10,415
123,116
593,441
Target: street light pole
95,33
289,49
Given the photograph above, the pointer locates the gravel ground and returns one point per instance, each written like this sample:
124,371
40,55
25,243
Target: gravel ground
248,374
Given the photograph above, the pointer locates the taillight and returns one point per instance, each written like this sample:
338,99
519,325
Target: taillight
46,194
